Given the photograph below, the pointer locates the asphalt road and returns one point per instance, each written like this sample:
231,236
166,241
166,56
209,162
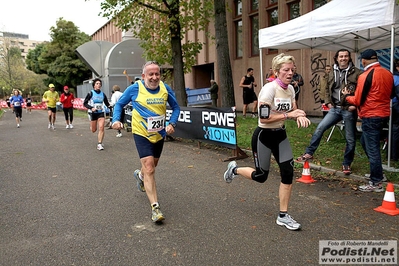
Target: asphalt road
62,202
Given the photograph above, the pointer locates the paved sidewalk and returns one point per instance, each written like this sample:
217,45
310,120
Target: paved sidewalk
62,202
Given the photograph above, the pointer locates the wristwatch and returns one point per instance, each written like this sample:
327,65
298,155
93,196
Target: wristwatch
173,124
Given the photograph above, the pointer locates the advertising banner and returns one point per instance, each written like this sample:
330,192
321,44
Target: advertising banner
212,125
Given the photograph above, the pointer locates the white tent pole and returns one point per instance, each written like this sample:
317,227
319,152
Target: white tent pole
390,105
261,68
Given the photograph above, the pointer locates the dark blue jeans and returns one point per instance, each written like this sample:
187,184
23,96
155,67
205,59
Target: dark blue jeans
371,139
333,116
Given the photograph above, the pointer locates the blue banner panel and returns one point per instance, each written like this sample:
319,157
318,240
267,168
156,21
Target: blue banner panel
212,125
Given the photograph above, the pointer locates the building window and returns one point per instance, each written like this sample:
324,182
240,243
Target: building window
273,17
254,5
294,10
319,3
238,7
272,2
238,38
255,35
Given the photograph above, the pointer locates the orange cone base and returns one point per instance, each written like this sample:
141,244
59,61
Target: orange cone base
306,179
389,211
388,205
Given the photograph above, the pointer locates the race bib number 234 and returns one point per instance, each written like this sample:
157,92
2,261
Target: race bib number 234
155,123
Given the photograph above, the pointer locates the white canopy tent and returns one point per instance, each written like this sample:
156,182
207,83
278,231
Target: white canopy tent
352,24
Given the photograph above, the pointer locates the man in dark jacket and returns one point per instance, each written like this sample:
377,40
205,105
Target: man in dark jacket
214,89
344,75
297,83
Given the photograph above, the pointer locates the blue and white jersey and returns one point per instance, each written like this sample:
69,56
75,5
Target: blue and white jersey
97,101
17,101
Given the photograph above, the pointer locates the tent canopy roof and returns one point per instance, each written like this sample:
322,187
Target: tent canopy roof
352,24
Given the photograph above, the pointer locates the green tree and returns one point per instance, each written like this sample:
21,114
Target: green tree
162,25
58,59
32,59
226,83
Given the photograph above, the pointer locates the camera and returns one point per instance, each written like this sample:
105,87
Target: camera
264,111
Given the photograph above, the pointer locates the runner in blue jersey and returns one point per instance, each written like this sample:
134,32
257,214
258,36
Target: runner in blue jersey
16,102
149,98
95,102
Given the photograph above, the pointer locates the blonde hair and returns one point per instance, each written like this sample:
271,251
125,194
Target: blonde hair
281,59
116,88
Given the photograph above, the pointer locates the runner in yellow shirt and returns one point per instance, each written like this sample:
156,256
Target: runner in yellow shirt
51,98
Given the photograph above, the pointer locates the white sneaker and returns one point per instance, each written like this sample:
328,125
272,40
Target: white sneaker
100,147
52,126
67,126
49,126
288,222
119,135
18,125
70,126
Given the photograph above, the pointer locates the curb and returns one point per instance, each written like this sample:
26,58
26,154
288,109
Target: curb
339,173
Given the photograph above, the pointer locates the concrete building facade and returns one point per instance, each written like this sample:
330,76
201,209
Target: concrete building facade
21,41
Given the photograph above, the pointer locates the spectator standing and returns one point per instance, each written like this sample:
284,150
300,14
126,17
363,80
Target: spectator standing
297,83
16,102
214,89
270,76
51,98
372,99
95,102
114,99
249,96
344,74
67,99
148,127
270,137
323,83
323,87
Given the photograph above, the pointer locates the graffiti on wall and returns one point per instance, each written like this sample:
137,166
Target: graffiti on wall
317,65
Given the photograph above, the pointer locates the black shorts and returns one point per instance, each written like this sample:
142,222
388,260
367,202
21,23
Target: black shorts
28,104
95,116
18,112
52,109
249,96
146,148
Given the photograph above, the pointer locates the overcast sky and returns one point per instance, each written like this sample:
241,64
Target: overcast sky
36,17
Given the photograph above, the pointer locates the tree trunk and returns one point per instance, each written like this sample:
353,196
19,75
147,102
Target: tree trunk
226,84
177,56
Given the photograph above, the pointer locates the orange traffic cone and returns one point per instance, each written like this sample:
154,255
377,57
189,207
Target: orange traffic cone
306,178
388,204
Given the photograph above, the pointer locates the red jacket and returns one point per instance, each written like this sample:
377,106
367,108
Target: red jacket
378,99
66,100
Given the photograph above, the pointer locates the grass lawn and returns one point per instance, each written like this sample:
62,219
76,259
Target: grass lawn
329,154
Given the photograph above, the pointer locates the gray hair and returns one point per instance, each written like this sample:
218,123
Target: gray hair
150,63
